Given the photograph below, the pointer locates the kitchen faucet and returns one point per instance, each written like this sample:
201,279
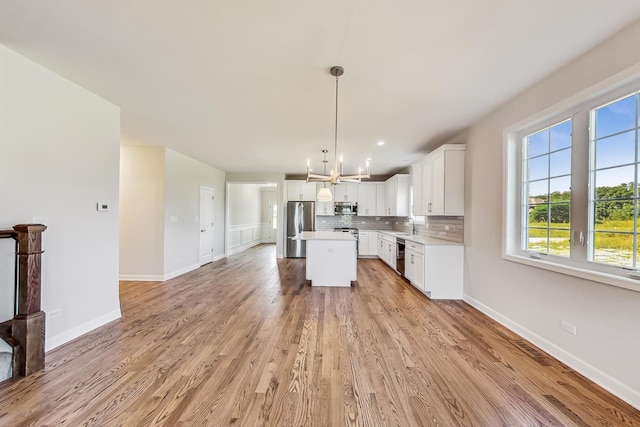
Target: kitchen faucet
412,222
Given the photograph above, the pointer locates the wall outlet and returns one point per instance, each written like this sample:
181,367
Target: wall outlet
173,219
568,327
102,207
446,227
53,314
386,222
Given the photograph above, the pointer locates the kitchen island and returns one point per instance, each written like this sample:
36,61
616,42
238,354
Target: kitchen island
331,258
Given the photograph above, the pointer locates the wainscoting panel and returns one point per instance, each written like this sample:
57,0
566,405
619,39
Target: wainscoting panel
244,236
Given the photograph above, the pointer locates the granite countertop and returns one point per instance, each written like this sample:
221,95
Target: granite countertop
324,235
423,240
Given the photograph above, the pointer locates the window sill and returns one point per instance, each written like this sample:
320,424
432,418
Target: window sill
583,273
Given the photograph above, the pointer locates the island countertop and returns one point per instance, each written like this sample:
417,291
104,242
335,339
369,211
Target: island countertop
325,235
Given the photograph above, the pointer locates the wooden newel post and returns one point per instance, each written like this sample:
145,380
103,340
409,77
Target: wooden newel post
29,322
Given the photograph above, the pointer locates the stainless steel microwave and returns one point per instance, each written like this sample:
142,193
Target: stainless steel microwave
346,208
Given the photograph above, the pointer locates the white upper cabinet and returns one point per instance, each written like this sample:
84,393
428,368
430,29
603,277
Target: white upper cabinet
323,208
346,192
301,191
381,199
416,188
397,195
442,183
367,199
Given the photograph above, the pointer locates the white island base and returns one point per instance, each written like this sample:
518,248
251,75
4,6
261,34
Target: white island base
332,258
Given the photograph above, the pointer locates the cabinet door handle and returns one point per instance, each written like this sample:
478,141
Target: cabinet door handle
411,258
429,206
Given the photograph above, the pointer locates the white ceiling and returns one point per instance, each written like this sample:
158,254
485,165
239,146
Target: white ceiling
244,85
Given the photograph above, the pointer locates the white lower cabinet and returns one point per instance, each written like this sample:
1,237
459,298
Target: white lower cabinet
368,243
387,249
373,243
443,266
414,264
363,244
435,267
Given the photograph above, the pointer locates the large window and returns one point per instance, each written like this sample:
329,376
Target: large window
547,185
614,195
572,190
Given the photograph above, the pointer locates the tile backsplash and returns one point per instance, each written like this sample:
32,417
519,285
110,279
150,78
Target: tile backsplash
329,222
442,227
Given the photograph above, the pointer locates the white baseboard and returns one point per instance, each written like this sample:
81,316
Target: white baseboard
58,340
219,257
609,383
179,272
141,277
240,248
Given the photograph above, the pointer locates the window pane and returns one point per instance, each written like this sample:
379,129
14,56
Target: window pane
616,117
561,136
538,191
538,240
559,242
613,183
539,167
613,248
614,216
560,163
538,215
559,215
616,150
560,189
538,143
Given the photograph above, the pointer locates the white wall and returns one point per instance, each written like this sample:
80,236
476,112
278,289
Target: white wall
534,301
244,216
276,178
60,155
244,204
183,178
142,212
160,194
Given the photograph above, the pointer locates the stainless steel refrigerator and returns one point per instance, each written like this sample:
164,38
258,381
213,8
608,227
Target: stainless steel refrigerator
301,216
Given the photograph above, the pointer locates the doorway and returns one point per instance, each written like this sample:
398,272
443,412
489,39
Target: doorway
269,213
207,203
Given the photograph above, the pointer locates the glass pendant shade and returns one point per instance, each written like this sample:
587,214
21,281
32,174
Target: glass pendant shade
324,195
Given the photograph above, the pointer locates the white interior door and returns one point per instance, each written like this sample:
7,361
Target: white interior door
207,200
269,215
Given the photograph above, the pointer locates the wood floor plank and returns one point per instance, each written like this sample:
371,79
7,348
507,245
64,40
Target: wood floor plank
245,341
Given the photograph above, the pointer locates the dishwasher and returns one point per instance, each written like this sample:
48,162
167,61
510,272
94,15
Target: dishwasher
400,256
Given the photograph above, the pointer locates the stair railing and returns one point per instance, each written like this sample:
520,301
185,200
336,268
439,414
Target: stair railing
26,331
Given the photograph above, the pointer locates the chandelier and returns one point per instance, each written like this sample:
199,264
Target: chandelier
337,173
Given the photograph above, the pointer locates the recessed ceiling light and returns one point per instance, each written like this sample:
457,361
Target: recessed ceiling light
380,142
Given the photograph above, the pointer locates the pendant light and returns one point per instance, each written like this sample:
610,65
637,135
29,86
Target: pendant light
324,195
337,174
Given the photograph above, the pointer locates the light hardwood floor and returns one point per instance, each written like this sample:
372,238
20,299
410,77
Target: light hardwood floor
246,341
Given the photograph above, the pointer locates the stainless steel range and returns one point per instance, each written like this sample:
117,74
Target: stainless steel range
353,231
